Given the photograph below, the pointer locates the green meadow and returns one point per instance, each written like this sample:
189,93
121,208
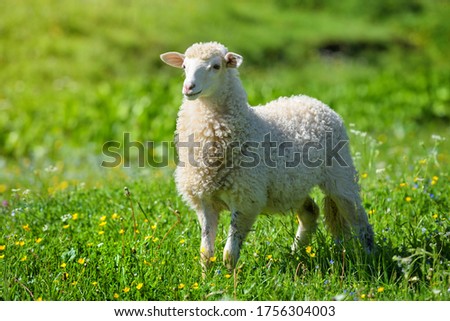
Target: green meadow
75,75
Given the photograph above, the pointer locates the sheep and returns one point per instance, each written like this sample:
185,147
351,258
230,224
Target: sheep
245,159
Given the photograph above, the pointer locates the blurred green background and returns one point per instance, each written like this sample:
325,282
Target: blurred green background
75,74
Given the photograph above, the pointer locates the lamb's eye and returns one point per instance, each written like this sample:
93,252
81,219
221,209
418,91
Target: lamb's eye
183,66
216,66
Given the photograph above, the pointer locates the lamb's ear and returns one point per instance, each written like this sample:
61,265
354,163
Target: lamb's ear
233,60
174,59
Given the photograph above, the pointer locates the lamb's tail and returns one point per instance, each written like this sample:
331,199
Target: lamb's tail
342,226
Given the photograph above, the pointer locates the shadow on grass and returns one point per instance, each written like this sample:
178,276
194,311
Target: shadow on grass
408,265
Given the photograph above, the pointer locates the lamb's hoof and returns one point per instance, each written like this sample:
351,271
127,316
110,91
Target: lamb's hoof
229,261
298,244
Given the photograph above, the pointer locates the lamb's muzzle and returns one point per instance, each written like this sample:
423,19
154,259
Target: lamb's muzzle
187,88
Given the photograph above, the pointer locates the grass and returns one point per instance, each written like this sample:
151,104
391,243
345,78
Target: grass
69,84
78,243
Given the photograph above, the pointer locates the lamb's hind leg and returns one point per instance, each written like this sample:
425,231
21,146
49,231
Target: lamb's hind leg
307,223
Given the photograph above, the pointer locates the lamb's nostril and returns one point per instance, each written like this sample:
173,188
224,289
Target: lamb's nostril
191,86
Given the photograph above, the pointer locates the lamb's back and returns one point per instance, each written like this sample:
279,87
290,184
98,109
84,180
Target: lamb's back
301,118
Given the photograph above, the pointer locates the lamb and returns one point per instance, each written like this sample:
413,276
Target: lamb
249,160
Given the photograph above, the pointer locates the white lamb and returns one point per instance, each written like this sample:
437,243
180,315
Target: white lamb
264,159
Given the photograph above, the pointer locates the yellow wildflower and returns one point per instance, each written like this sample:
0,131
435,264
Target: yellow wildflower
434,180
212,259
309,251
195,286
75,216
63,185
2,256
403,184
3,188
20,243
202,250
181,286
101,232
63,265
103,218
364,175
39,299
74,283
363,296
139,286
126,290
26,227
153,227
38,240
370,212
116,296
115,216
66,226
269,256
228,276
81,260
155,239
2,247
408,199
103,223
121,231
380,289
422,161
435,216
23,259
182,241
94,283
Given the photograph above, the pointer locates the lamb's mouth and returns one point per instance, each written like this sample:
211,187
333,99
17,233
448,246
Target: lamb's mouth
193,95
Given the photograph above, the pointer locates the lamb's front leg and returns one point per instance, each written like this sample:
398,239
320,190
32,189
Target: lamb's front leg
240,225
208,217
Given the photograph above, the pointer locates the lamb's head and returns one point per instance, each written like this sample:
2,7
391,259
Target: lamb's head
205,66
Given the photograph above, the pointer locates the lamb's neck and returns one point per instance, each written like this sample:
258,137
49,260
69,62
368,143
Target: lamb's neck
232,111
230,99
229,104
